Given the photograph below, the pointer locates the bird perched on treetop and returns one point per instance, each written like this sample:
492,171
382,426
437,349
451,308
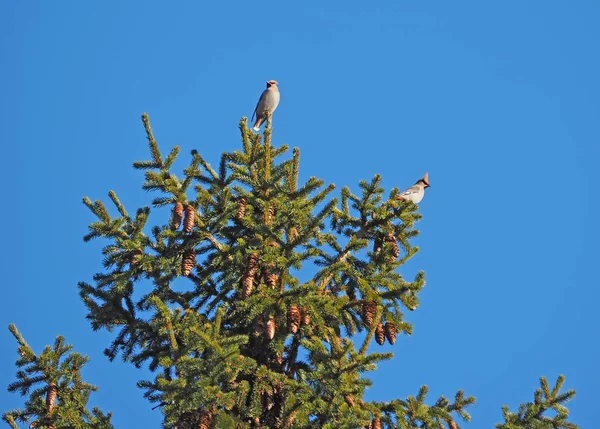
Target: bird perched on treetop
417,191
268,100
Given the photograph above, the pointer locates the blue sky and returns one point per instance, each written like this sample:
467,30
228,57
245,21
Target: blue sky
498,101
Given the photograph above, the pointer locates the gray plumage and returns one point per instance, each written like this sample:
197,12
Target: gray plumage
268,101
416,192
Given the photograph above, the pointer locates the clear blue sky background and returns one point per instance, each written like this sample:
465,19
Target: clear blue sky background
497,100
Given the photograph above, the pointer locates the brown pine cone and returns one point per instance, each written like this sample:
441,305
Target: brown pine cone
376,424
247,286
293,319
252,265
269,215
349,400
188,262
251,271
189,219
305,316
51,394
293,233
205,420
452,424
177,216
291,419
272,279
390,332
369,308
270,328
241,209
390,238
379,334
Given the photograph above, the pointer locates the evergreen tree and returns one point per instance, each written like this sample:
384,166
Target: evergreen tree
60,400
257,302
533,415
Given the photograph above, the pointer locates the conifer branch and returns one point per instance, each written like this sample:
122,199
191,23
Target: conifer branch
156,156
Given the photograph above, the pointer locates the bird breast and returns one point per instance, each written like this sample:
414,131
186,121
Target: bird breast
270,100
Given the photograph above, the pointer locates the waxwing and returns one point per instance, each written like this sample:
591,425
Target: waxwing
268,100
416,192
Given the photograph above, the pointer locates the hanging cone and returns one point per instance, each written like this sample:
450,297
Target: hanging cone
205,419
247,286
376,423
390,332
51,395
271,279
305,316
177,215
252,265
349,400
269,214
452,424
270,328
189,219
293,233
248,278
188,263
390,238
368,312
291,419
241,209
293,319
379,334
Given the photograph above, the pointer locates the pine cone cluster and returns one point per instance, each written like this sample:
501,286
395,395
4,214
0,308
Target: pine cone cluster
369,308
379,334
293,319
51,395
177,216
248,278
189,219
390,332
188,262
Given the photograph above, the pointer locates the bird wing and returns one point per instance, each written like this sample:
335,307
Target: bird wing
262,96
412,190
